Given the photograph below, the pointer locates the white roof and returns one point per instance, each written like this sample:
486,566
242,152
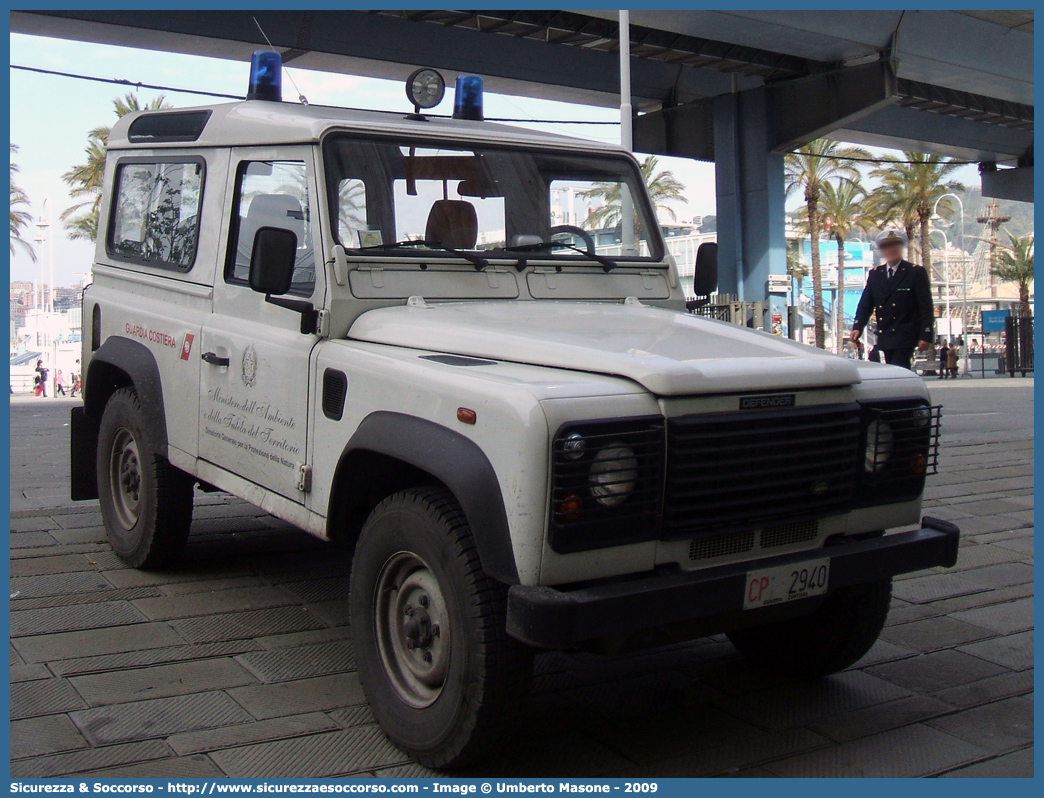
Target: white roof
260,122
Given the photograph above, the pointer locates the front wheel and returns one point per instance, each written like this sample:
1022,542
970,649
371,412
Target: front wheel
428,627
836,635
146,503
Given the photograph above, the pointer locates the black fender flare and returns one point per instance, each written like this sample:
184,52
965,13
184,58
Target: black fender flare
117,357
456,461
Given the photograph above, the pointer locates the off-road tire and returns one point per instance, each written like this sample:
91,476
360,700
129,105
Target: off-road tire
146,503
478,677
833,637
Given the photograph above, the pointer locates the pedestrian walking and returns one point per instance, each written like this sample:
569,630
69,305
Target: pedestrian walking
951,361
59,384
944,352
41,375
900,295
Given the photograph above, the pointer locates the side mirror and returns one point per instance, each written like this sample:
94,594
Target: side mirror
705,281
272,260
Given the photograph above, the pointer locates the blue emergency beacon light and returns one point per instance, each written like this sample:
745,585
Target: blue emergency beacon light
266,76
467,99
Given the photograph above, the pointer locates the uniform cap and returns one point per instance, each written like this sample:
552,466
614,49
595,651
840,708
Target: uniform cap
892,236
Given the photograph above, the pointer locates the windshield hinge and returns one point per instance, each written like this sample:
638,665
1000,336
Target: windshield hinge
322,323
339,261
417,302
633,301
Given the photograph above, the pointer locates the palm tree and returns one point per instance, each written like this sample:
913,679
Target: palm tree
808,169
85,180
917,182
1015,265
20,218
662,185
842,208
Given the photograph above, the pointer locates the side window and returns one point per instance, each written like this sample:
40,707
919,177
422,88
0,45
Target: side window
155,213
272,194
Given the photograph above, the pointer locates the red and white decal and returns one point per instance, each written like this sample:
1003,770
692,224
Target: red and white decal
186,348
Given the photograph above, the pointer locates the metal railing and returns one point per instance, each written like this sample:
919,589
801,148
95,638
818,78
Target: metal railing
1018,343
726,307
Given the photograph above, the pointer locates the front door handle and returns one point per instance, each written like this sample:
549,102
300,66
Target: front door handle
214,359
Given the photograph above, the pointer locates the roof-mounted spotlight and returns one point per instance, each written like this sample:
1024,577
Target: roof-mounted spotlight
266,76
425,89
467,100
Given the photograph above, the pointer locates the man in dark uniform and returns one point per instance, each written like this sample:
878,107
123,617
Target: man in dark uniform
901,296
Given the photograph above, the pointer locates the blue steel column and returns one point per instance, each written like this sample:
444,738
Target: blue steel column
750,200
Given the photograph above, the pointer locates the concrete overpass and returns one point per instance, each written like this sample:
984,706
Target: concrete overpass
737,87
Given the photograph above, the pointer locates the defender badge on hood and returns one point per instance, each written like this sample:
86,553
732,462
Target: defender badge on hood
767,401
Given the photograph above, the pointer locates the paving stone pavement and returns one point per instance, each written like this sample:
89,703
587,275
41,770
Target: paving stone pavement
237,662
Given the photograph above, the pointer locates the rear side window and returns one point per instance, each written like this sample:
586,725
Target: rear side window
155,216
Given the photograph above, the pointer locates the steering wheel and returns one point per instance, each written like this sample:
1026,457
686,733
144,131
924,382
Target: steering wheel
589,241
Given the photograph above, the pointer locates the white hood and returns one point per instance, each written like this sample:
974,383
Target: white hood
667,352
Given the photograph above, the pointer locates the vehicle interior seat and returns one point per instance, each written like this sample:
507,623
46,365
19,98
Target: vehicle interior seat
268,210
452,224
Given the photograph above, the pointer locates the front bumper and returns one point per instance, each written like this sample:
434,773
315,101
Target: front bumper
554,619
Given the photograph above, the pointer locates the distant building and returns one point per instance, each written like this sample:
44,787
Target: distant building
67,298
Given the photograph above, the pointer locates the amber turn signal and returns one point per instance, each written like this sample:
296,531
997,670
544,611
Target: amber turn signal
466,416
918,464
570,507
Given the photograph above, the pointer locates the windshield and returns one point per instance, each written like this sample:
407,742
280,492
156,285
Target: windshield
403,196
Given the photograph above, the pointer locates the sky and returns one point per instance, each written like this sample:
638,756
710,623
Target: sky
51,116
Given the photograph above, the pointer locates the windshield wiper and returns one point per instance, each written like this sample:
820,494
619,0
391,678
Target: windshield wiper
477,261
606,263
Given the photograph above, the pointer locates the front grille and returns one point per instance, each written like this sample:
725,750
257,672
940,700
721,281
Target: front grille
743,471
708,547
578,520
721,545
789,534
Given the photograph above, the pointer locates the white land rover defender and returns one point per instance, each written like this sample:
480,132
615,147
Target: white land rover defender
381,328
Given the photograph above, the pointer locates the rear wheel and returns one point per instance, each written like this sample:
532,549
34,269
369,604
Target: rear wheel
146,503
428,627
836,635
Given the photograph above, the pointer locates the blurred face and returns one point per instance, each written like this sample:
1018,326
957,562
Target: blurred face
892,252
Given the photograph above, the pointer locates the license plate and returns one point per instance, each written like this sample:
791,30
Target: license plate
786,583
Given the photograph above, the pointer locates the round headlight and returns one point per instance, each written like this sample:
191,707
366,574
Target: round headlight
922,415
879,444
573,446
425,88
614,474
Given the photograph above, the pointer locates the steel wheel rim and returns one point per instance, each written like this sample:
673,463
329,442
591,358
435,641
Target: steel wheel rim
412,629
125,478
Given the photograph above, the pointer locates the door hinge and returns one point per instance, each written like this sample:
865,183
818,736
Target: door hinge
322,323
304,477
